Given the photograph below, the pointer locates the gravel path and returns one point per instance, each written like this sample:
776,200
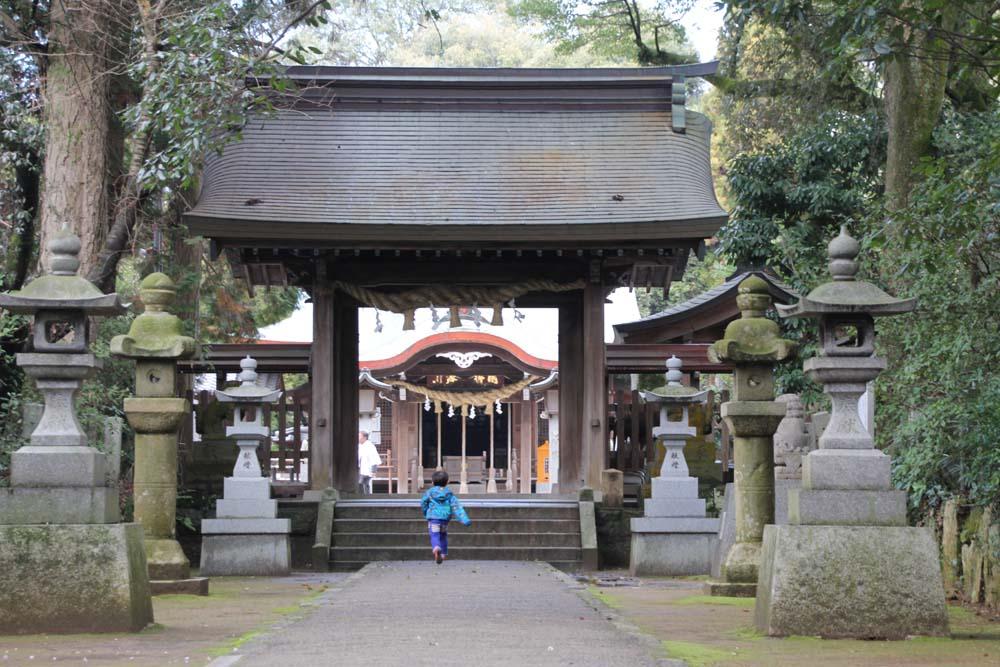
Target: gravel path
477,613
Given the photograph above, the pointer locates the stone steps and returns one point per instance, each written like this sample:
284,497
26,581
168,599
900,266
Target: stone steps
366,531
476,513
458,540
479,526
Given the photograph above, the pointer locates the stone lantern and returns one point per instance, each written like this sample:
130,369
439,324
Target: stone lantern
847,564
156,341
246,537
673,537
66,563
753,344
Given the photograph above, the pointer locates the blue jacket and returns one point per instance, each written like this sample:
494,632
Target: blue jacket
440,503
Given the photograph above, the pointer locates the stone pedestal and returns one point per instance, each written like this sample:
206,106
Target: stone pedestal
861,582
847,564
73,578
674,537
246,538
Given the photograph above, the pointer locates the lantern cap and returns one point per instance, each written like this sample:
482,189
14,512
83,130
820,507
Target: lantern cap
845,294
61,288
674,392
155,333
248,390
753,338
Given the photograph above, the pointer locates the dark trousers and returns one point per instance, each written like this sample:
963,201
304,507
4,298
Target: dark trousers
438,529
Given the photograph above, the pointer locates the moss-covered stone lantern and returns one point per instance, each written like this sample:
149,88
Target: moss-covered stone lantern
847,564
66,563
753,344
156,341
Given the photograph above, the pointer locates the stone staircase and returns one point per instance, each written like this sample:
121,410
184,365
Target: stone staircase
509,529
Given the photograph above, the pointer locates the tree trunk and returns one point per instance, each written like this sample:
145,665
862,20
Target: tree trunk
914,92
83,136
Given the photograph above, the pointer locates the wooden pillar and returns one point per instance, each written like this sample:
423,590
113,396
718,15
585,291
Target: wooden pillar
463,486
404,437
440,424
321,421
345,394
509,478
491,484
571,475
595,395
527,444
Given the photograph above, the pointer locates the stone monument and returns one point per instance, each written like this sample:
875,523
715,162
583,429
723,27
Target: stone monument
156,341
847,564
246,537
791,443
67,564
673,537
753,344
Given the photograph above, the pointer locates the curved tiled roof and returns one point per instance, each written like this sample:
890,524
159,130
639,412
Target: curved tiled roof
708,299
405,152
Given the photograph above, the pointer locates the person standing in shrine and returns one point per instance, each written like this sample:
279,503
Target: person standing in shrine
368,462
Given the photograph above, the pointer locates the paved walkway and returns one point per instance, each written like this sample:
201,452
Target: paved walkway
469,613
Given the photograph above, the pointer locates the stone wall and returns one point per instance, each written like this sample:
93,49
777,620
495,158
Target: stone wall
970,553
614,537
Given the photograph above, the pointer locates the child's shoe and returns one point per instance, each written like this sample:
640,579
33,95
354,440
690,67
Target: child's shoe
437,555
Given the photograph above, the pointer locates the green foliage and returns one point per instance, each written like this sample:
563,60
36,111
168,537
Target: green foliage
620,30
938,400
789,199
701,275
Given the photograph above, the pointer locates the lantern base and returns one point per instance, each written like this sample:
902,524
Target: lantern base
59,505
73,578
54,465
860,582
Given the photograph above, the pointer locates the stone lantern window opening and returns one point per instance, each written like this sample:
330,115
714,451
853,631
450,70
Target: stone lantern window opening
847,335
60,331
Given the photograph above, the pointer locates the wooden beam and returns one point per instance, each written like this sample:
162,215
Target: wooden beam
652,358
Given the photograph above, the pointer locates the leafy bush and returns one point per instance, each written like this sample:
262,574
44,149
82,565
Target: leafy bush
939,398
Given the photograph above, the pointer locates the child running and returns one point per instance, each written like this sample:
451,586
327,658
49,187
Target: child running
440,505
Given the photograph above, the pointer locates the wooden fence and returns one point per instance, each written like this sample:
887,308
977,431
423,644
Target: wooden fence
630,425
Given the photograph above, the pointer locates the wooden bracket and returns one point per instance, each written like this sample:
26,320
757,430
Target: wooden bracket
678,96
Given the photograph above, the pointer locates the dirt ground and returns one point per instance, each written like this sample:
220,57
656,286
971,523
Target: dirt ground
705,631
189,630
700,630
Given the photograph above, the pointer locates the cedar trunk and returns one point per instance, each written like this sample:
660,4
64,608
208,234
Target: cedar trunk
914,94
83,137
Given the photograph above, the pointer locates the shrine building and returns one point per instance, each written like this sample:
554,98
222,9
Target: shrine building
448,192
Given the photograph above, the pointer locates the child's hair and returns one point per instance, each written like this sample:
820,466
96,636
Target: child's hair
439,478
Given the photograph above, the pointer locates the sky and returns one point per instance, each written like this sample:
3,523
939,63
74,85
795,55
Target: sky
702,24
